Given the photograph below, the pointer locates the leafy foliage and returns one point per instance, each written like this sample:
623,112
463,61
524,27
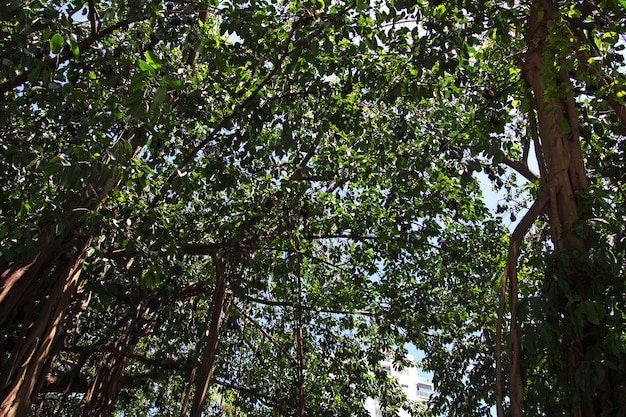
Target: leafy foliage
267,197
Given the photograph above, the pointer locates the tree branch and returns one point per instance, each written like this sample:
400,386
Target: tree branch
510,273
603,79
209,354
265,333
93,18
305,307
521,168
249,391
55,62
297,175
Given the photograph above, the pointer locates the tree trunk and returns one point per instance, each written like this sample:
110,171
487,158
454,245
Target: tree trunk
565,179
34,299
42,289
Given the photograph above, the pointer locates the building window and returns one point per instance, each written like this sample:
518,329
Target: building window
424,387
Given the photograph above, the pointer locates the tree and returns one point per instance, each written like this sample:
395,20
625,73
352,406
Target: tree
548,72
563,331
253,201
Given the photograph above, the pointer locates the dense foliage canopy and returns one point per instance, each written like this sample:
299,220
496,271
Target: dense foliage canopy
239,207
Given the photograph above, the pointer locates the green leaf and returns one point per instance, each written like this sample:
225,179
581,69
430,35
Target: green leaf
328,46
149,280
153,60
34,74
172,81
591,311
440,10
145,67
75,48
57,42
160,95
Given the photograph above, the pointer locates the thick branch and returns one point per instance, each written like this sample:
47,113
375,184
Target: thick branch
93,18
299,335
202,17
510,273
210,350
39,340
521,168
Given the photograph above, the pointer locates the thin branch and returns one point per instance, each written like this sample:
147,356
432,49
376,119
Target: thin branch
341,236
473,119
67,384
210,248
306,307
297,175
202,248
265,333
525,150
110,347
604,80
247,390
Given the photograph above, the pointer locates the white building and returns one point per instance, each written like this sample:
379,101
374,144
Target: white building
416,388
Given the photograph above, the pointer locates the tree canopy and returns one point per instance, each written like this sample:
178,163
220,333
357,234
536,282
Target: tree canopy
240,207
